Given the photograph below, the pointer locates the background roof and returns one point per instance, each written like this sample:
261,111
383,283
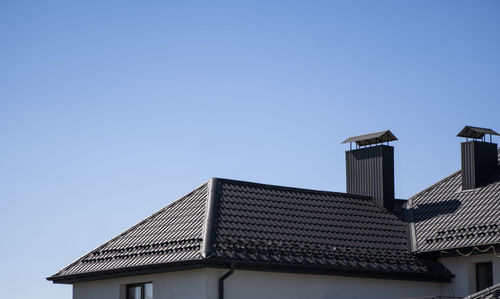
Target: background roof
446,217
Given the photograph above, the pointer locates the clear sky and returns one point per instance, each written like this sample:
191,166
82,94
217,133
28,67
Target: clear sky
110,110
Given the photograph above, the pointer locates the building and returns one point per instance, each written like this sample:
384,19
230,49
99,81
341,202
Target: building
457,220
235,239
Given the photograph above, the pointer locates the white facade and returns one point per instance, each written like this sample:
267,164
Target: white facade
203,284
178,285
464,268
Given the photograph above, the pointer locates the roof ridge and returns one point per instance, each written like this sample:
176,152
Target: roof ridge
130,229
444,179
340,194
411,225
410,200
211,209
295,188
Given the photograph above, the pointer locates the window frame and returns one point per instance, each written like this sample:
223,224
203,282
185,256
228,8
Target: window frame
134,285
490,271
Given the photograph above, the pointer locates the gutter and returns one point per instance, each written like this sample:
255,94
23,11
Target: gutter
224,264
221,280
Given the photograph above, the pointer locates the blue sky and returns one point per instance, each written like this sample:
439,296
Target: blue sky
110,110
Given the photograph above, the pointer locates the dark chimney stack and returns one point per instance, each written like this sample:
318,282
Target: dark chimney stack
370,167
479,157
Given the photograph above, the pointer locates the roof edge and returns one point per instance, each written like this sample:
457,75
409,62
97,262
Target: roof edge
209,229
297,189
434,185
266,267
128,271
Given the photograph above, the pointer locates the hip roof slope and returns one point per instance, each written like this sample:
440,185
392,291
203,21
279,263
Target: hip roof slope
172,234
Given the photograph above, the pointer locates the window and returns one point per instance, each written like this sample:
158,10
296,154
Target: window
140,291
484,276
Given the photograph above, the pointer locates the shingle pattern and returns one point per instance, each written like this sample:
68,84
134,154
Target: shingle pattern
286,226
264,226
171,235
446,217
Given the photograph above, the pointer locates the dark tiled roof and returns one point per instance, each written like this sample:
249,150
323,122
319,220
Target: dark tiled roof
346,233
445,217
256,225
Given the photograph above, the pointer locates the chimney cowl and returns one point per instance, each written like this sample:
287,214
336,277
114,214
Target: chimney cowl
476,133
372,138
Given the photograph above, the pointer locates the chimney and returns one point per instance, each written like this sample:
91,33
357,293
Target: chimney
479,157
370,167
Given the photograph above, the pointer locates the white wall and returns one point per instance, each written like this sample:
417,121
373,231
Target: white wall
250,284
187,284
464,268
203,284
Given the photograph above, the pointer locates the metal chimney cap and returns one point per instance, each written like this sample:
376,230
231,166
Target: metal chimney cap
372,138
475,132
